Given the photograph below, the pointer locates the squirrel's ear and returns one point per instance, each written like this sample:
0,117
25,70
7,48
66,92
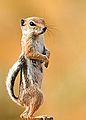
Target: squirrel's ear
22,22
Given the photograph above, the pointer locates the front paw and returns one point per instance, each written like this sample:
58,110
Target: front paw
46,64
23,116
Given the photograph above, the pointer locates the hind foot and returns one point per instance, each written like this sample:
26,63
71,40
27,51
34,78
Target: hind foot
25,116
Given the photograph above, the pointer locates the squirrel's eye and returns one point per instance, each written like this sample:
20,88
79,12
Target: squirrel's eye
32,24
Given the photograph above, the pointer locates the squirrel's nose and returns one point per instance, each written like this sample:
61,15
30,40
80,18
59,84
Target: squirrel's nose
44,29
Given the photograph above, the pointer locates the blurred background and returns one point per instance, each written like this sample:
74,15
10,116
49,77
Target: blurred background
64,82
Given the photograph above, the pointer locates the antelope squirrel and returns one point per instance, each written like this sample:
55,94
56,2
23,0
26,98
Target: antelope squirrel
34,56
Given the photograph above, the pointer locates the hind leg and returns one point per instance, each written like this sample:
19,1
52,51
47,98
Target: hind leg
25,113
35,104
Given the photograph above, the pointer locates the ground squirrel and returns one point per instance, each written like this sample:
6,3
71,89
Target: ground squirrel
33,58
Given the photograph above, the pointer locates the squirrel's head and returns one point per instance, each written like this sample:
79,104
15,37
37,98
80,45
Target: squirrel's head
33,25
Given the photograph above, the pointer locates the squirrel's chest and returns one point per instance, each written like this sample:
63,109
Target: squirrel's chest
39,45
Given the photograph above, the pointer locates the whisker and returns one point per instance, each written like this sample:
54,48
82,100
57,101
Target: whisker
50,31
51,35
52,26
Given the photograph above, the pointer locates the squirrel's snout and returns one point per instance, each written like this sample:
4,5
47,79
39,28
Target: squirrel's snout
44,29
41,32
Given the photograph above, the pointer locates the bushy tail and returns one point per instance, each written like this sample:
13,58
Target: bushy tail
13,72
